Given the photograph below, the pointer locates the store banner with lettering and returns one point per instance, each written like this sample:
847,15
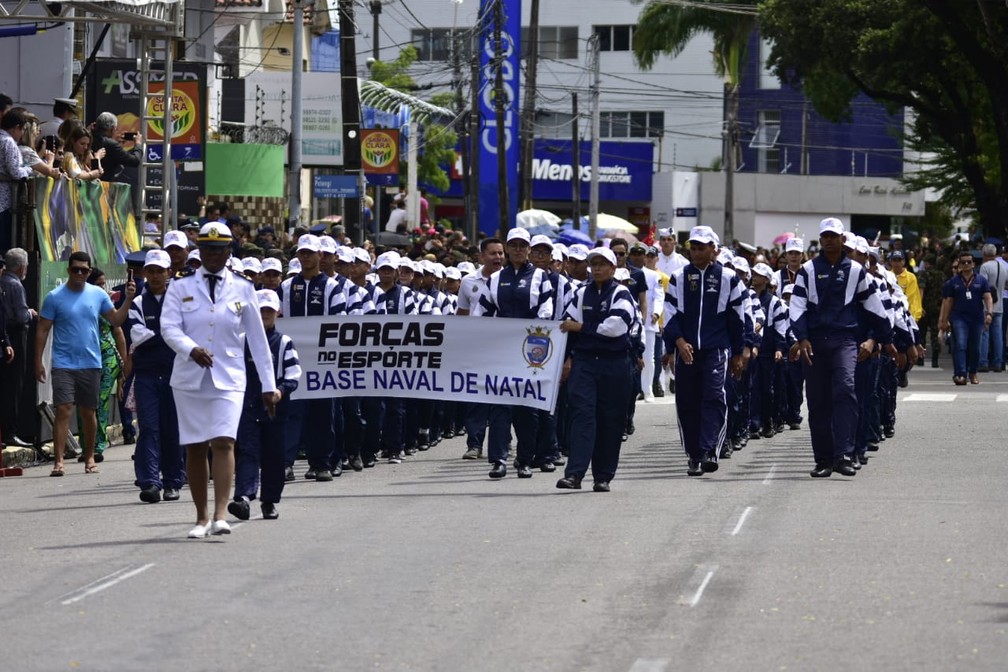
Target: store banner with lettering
488,360
490,181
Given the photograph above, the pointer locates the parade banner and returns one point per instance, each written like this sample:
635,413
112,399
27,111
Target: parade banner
487,361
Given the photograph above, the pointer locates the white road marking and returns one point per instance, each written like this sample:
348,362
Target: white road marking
769,476
105,582
929,396
650,665
702,576
741,520
1002,398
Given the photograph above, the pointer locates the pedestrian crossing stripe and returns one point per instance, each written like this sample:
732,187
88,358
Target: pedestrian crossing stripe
1002,398
933,396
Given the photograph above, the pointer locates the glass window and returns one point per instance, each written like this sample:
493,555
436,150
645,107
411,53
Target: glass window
656,124
621,38
765,141
620,127
568,39
605,37
638,124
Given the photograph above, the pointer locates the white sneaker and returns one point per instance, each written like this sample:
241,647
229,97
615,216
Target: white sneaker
199,532
649,398
220,527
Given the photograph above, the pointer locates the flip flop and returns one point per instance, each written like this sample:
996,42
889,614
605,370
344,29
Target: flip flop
91,469
57,471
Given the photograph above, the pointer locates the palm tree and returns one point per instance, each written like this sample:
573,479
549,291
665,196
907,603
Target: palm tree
666,27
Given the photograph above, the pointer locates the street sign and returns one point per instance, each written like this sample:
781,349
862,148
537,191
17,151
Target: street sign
685,212
335,186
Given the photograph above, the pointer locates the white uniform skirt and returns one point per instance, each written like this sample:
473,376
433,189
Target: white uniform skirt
207,413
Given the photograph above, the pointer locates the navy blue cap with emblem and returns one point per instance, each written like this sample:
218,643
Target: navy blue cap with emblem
317,229
138,258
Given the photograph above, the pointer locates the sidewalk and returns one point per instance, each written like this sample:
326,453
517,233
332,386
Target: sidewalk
16,456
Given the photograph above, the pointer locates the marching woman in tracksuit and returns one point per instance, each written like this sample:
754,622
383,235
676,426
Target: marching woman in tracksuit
598,321
704,328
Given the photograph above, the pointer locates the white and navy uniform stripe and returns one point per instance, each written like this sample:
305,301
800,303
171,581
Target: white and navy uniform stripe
824,299
398,300
525,292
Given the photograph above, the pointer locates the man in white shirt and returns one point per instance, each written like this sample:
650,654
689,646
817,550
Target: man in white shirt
398,217
669,261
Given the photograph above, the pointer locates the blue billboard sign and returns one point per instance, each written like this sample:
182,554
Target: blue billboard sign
490,181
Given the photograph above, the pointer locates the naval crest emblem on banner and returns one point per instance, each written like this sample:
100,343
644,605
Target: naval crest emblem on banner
538,347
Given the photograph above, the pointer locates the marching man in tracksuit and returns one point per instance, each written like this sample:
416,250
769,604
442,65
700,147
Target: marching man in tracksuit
520,290
704,328
598,320
825,319
259,450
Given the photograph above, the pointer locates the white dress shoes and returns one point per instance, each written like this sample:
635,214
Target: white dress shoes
220,527
199,532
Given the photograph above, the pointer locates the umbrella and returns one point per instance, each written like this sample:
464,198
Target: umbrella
529,219
392,239
604,221
616,233
332,219
571,236
783,238
548,230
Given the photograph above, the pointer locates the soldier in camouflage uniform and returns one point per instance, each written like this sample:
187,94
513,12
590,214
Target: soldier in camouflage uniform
931,280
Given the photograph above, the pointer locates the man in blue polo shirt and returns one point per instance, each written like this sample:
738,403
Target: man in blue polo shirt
71,312
966,307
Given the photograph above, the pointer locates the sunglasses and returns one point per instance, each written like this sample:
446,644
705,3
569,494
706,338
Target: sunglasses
80,270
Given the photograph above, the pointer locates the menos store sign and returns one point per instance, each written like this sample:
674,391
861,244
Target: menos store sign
625,170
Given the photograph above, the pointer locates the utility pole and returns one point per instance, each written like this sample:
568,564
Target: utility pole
499,104
474,149
728,161
593,45
461,124
528,113
297,58
575,162
353,214
375,13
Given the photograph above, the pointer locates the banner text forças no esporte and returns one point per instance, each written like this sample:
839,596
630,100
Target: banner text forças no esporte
492,360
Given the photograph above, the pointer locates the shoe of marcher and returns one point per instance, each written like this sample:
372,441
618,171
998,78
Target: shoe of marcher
323,475
289,474
170,495
569,483
356,463
658,391
524,471
129,439
862,458
630,429
794,425
856,463
150,495
409,452
889,432
559,461
269,511
902,380
726,451
973,381
335,473
310,475
640,396
693,468
767,433
499,470
709,465
471,454
395,458
219,527
369,462
240,508
845,467
872,447
199,532
547,467
649,398
601,486
821,471
625,437
422,441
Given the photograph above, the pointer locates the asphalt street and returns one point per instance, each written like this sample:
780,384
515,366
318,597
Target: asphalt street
429,565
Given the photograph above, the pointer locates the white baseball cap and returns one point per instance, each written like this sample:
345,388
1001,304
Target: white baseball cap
194,254
831,225
252,264
236,265
388,260
740,264
764,270
603,252
157,258
176,238
343,254
621,274
666,233
725,256
294,266
406,262
271,264
519,234
578,252
702,234
794,245
361,255
327,245
862,245
268,299
541,240
453,273
310,242
466,267
557,254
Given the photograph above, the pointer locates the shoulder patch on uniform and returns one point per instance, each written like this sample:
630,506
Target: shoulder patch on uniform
185,272
240,275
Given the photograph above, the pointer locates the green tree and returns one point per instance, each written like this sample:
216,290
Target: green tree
437,142
665,29
946,60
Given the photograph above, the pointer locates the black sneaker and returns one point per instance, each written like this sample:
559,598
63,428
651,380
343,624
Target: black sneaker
310,475
693,468
524,471
239,508
569,483
547,467
422,441
601,486
709,465
395,458
862,458
150,495
335,473
369,462
289,474
323,475
890,432
170,495
768,433
269,511
845,467
726,451
499,470
821,471
357,464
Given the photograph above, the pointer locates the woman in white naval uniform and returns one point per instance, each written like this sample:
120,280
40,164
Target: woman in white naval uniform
207,316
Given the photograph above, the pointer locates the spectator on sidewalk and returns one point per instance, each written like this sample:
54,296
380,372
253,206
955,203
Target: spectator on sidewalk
18,316
992,340
966,309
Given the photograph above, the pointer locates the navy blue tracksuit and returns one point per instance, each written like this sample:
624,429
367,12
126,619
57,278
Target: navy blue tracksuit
704,307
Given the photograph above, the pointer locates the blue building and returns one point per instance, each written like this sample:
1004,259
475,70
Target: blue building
776,139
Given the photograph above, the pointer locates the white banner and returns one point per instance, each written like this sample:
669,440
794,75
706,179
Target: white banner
483,360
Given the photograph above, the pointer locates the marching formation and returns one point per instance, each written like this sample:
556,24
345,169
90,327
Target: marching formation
214,372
